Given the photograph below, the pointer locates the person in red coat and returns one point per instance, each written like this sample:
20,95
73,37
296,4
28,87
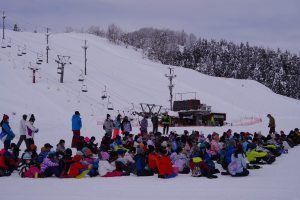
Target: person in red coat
165,169
77,167
152,159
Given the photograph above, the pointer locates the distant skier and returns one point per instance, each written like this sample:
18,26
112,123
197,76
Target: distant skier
144,125
108,125
154,120
76,126
23,130
31,130
166,120
271,123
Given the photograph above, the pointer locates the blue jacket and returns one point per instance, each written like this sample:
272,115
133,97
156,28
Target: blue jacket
6,128
76,123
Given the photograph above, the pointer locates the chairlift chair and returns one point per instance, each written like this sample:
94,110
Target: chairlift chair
110,105
40,57
19,52
81,78
104,93
38,62
3,46
84,88
24,50
9,44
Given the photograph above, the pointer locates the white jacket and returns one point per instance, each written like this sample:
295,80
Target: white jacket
23,127
31,130
105,166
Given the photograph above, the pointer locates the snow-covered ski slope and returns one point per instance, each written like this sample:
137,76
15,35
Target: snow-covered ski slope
130,78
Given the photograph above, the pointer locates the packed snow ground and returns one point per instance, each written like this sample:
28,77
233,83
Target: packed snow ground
130,78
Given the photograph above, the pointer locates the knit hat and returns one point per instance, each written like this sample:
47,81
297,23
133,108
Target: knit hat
86,139
68,151
32,147
27,156
51,154
104,155
164,144
77,113
108,115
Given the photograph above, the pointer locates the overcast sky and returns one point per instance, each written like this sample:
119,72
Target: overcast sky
268,23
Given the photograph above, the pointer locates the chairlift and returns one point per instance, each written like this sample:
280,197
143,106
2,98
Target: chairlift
59,71
110,105
84,88
3,46
38,62
104,93
9,44
40,57
81,77
24,50
19,51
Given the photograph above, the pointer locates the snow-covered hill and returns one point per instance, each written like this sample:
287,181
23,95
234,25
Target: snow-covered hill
129,78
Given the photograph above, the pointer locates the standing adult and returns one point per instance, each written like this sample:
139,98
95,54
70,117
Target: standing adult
76,126
31,130
144,125
117,126
271,123
23,130
108,125
7,134
154,120
126,126
166,121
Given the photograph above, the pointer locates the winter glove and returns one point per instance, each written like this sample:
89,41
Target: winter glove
37,130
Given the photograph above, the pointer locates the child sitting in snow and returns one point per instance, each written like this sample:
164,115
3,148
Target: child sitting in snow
77,168
50,165
27,169
238,164
107,165
165,169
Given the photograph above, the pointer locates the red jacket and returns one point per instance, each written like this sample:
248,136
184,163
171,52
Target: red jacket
153,161
2,162
165,166
74,169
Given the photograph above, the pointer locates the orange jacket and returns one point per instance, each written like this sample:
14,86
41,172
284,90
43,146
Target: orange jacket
74,169
165,166
152,161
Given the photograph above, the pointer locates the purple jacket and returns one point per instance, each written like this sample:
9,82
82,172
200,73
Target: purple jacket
47,163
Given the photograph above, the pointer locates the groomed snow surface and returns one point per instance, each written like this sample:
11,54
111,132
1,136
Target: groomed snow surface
130,78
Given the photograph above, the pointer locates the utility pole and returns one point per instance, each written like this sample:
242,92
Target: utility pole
47,47
85,59
62,61
3,19
33,69
171,76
